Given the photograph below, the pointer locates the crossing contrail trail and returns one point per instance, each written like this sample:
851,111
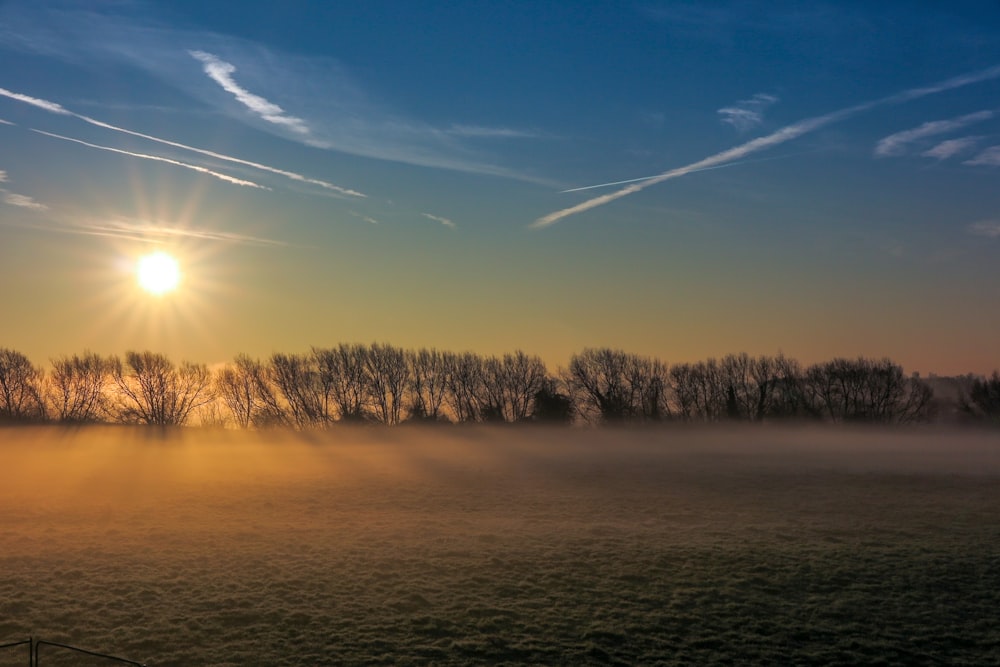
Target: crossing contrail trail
785,134
693,171
54,107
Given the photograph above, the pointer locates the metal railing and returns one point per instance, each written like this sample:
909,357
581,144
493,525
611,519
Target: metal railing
27,643
34,645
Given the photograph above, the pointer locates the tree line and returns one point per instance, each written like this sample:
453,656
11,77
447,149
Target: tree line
384,384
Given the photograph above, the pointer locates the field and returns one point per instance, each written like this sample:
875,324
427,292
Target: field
517,546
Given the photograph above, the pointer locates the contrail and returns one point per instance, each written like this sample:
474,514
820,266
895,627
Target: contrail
646,178
53,107
256,165
781,136
194,167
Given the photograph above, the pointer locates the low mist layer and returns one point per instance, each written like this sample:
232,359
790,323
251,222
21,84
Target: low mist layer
454,545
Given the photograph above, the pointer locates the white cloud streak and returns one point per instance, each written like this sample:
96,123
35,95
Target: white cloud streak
436,218
22,201
988,158
478,131
36,102
781,136
325,95
951,147
228,158
51,106
646,178
747,114
5,122
156,158
989,228
367,218
152,233
221,72
896,144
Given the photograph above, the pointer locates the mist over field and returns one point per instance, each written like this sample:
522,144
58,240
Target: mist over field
509,545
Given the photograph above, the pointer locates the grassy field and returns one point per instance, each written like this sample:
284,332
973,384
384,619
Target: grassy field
454,546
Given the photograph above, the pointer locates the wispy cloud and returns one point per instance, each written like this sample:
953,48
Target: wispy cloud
5,122
367,218
479,131
332,108
951,147
291,175
153,233
51,106
36,102
23,201
646,178
990,228
157,158
896,144
221,72
778,137
988,158
14,199
436,218
747,114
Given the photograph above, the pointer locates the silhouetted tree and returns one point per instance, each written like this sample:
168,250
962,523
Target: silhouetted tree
612,386
550,406
508,386
428,385
78,388
522,377
464,381
865,390
699,391
789,398
758,388
298,381
344,375
20,388
152,390
387,374
982,401
245,389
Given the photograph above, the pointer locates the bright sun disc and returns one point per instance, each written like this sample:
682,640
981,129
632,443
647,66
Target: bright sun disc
158,273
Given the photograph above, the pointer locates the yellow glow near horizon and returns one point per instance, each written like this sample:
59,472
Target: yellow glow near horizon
158,273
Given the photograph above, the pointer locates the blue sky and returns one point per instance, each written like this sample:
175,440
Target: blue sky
825,177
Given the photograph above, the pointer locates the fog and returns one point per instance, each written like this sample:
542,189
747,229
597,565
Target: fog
455,545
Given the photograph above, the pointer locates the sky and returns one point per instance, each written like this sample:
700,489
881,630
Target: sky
676,179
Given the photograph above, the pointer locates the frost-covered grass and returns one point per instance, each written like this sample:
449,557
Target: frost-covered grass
454,546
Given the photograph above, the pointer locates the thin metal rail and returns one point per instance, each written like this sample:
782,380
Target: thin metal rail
35,644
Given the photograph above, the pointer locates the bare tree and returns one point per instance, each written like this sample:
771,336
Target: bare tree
428,373
613,386
551,405
20,387
153,391
522,377
490,396
387,374
982,400
699,392
866,390
78,388
343,375
464,378
298,380
758,388
246,390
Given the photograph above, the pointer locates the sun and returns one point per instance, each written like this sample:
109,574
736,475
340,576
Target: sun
158,273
